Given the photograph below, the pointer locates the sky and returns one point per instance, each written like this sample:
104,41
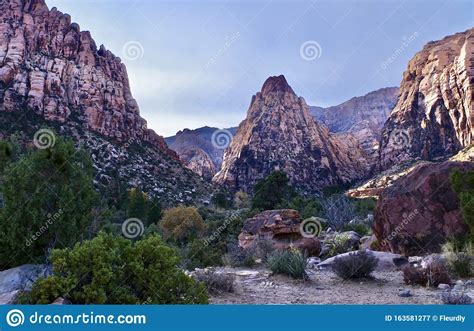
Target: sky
197,63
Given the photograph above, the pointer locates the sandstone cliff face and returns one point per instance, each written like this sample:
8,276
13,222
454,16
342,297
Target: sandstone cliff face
48,65
52,74
420,211
201,150
435,112
363,116
280,134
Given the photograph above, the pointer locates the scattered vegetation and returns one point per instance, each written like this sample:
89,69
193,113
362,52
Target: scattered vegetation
288,262
433,274
459,261
355,265
338,210
215,283
239,257
455,298
113,270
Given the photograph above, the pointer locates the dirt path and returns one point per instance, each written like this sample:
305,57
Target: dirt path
257,286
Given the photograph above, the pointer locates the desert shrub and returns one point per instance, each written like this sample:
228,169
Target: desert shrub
360,228
432,275
339,243
455,298
199,254
236,256
355,265
182,224
459,261
437,273
263,249
113,270
48,201
463,185
272,191
307,207
414,276
215,283
288,262
338,210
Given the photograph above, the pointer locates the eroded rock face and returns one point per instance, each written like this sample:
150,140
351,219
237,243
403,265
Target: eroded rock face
420,210
362,116
281,227
202,149
200,162
434,115
53,75
280,134
48,65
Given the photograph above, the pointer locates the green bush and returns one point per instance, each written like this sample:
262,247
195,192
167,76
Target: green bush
182,225
463,185
460,261
355,265
199,254
114,270
365,206
361,229
236,256
48,203
288,262
272,191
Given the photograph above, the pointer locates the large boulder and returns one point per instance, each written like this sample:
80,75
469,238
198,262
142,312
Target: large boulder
281,228
16,280
420,210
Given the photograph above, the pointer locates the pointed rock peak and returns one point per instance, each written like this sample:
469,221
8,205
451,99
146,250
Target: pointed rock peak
276,84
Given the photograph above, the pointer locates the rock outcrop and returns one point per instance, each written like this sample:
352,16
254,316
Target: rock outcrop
362,116
434,115
53,72
420,211
280,134
281,228
202,149
16,280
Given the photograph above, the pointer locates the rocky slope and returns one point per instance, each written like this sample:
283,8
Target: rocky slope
49,67
280,134
434,115
362,116
202,149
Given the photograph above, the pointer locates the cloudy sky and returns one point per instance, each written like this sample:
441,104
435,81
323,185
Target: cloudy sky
196,63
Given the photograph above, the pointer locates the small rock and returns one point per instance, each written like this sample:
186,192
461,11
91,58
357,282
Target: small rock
460,282
444,286
458,287
404,293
